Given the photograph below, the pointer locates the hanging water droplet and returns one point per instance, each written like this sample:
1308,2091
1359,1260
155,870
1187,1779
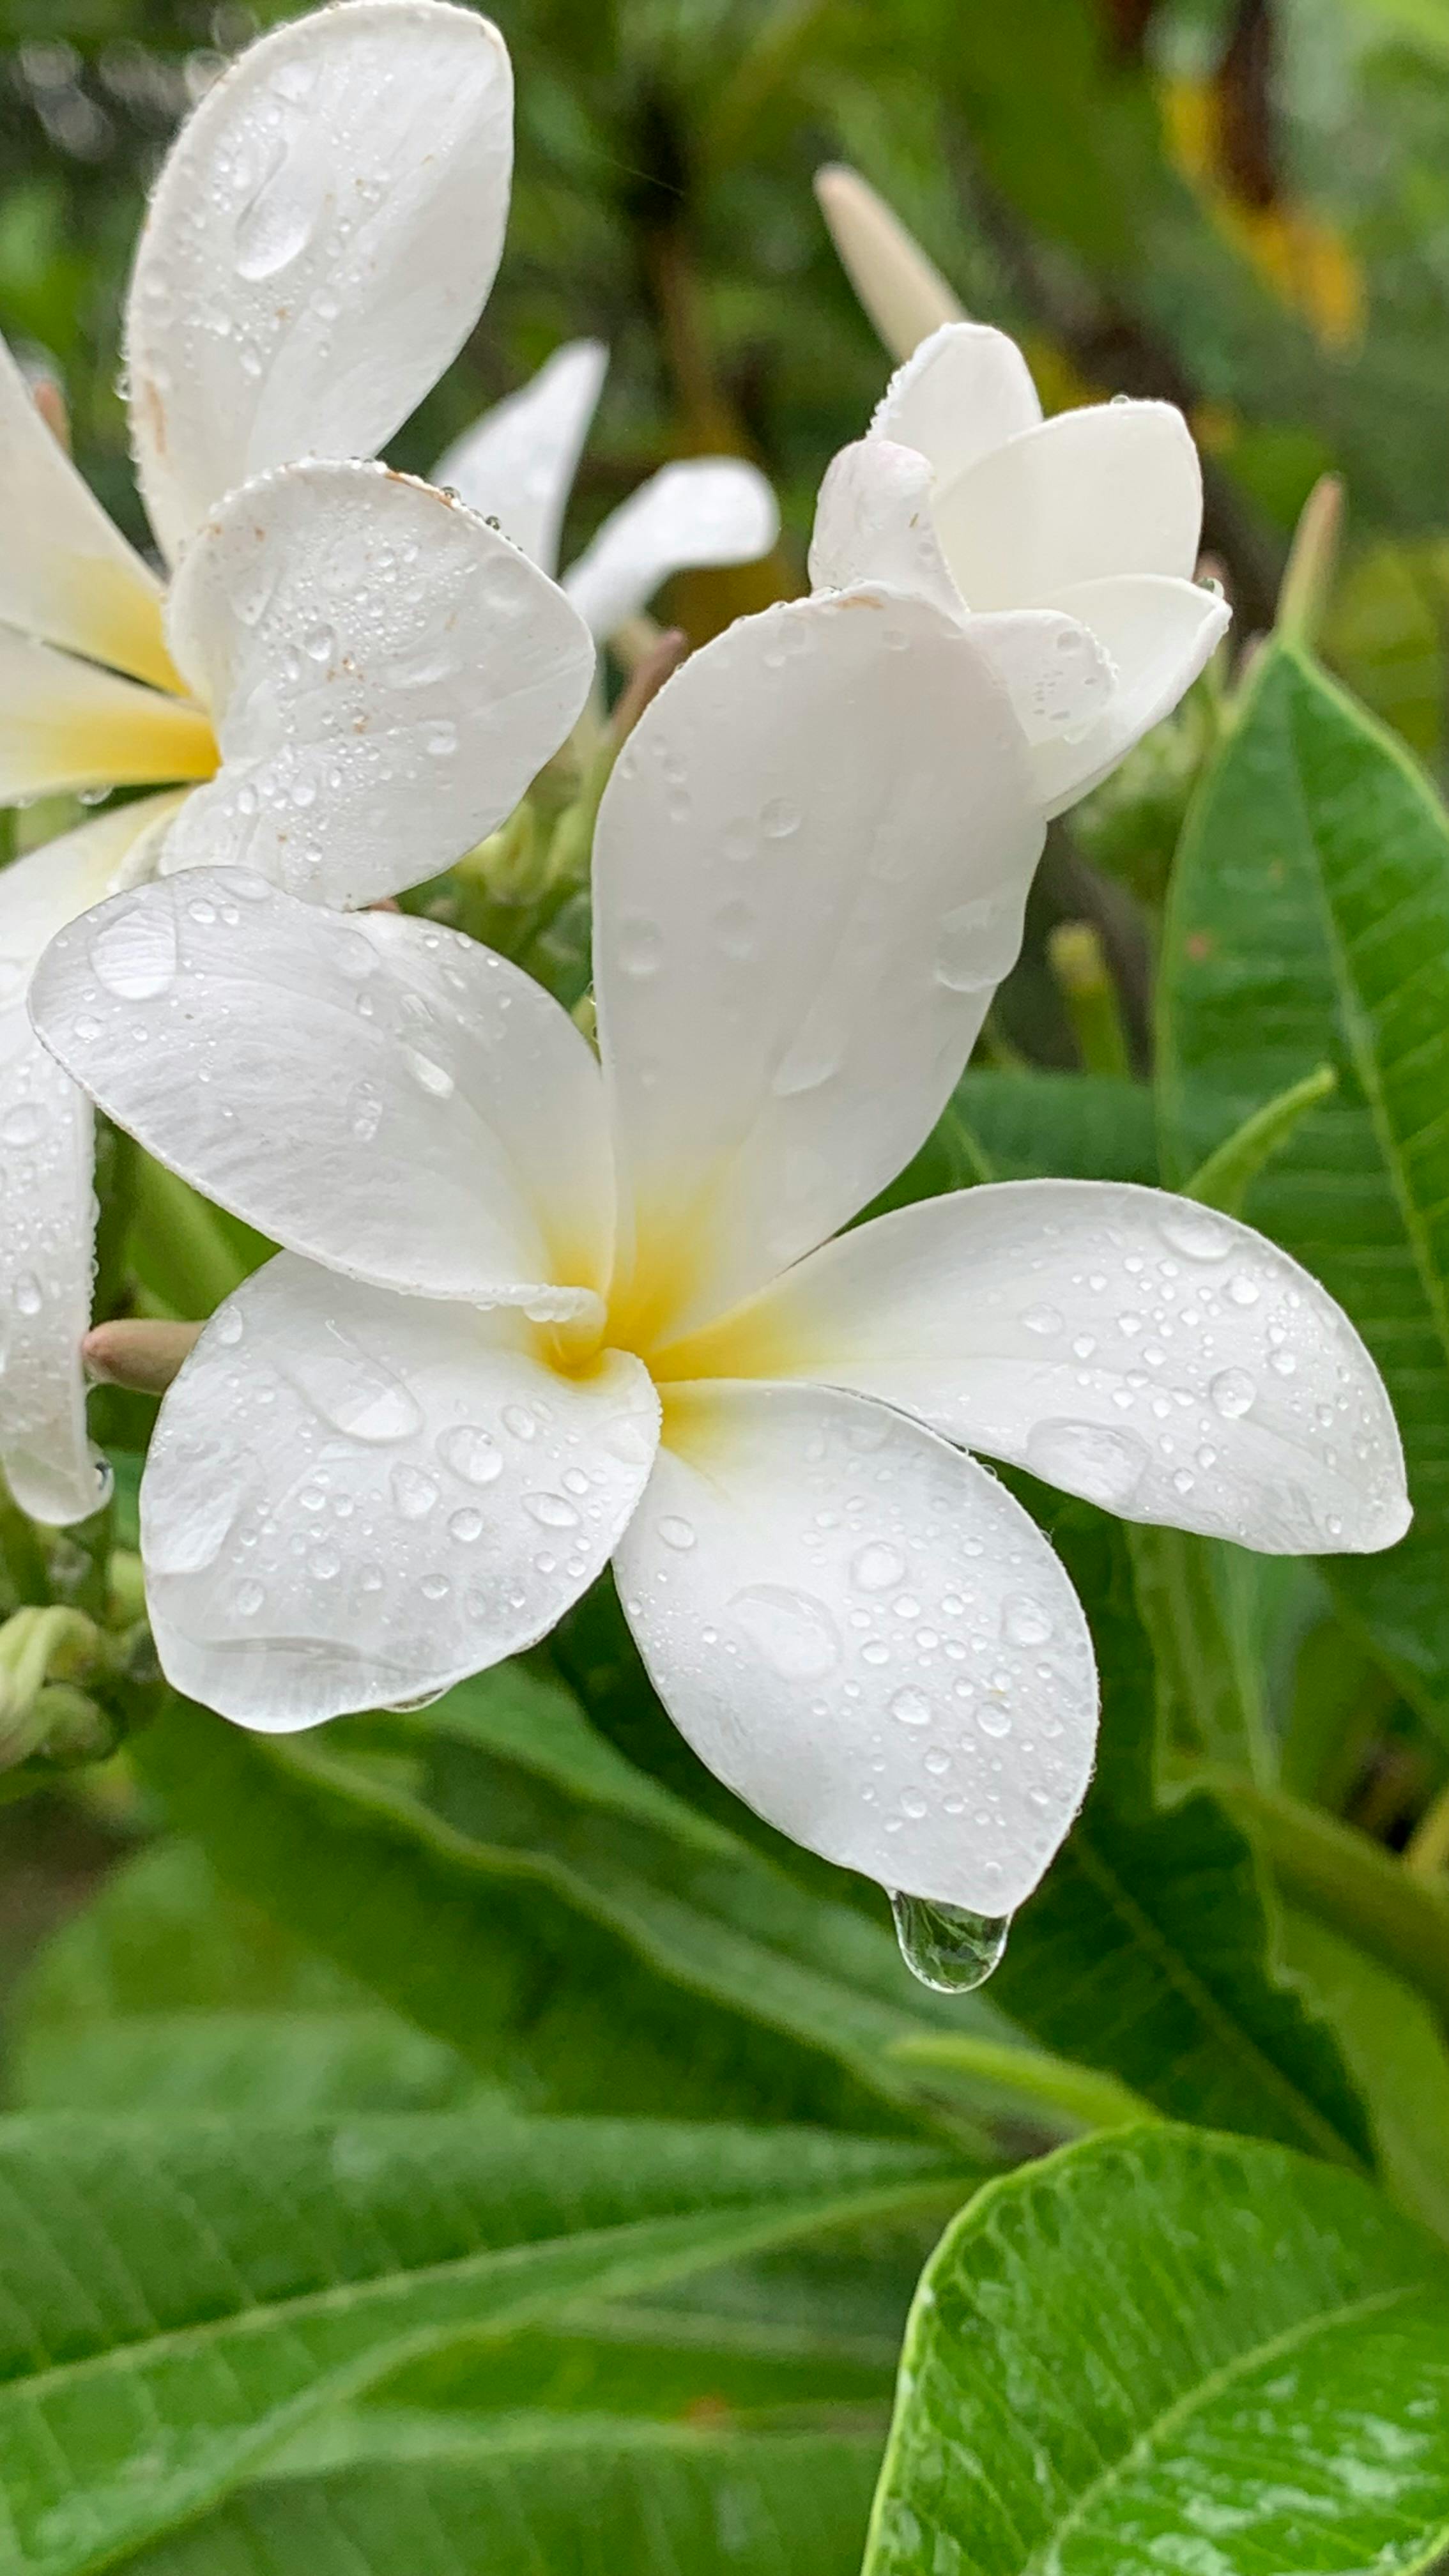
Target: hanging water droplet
947,1947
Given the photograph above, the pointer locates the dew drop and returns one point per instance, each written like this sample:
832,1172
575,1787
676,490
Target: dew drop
551,1511
29,1295
1023,1621
135,954
1233,1393
911,1708
1196,1233
946,1947
793,1633
472,1453
1043,1320
1088,1458
248,1598
977,943
466,1526
22,1124
779,819
1243,1290
413,1492
430,1077
675,1531
877,1566
641,947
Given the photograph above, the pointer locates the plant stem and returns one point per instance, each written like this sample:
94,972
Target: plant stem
1349,1882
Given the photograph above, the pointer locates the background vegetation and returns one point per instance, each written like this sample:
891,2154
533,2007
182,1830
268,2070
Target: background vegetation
671,2344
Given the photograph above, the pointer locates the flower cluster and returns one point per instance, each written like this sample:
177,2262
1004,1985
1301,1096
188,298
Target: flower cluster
538,1308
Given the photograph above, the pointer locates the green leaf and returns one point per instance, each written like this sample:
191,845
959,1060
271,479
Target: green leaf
526,1871
1020,1126
1309,924
1149,1950
425,2499
1164,2349
182,2296
1224,1180
1396,2050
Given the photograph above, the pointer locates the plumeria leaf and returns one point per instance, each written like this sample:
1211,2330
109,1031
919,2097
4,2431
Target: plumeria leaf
1309,924
1151,1950
526,1842
388,674
1279,2372
321,241
1028,1125
425,2497
1394,2043
1224,1180
184,2294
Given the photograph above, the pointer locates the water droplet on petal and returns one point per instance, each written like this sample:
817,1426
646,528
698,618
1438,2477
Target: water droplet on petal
675,1531
1197,1233
911,1708
947,1947
135,954
413,1492
793,1633
1233,1393
472,1453
877,1566
1088,1458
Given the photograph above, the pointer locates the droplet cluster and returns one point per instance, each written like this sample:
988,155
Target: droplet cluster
894,1654
367,1486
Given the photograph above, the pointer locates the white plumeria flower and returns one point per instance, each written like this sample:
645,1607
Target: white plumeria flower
535,1310
356,677
517,465
1070,542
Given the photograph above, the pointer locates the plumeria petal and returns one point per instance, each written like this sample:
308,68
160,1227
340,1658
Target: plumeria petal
865,1637
375,1092
1113,489
354,1498
388,675
704,510
1157,635
904,294
965,392
321,242
873,522
47,1204
1160,1359
66,573
517,464
809,872
66,724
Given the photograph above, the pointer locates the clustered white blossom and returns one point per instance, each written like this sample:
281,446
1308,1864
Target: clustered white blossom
537,1309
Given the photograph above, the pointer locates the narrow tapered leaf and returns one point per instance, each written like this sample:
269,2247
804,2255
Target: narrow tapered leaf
424,2500
1309,925
182,2295
518,1869
1149,1951
1165,2349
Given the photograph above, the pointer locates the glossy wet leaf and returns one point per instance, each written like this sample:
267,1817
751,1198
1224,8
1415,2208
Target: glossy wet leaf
512,1869
1149,1951
1167,2350
424,2498
182,2294
1309,925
